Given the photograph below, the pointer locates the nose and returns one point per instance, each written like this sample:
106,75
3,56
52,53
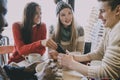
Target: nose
3,22
100,16
40,15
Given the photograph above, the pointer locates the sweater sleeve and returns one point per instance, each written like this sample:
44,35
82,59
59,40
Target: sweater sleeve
22,48
44,31
110,67
98,53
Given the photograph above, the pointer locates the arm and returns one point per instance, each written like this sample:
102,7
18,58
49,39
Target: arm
95,55
98,53
53,54
69,62
81,58
109,68
20,46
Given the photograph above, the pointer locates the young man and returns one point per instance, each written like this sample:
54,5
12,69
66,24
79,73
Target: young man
3,11
3,23
109,50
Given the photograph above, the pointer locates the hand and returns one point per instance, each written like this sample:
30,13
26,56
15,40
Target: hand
53,54
49,43
65,60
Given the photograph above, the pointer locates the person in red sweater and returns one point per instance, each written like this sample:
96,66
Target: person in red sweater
30,34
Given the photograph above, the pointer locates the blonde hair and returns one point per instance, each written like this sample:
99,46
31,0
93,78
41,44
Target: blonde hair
74,35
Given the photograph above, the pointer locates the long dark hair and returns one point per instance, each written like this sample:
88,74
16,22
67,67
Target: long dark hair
27,23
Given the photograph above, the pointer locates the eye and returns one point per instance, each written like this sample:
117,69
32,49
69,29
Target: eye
70,13
62,14
102,10
38,13
3,10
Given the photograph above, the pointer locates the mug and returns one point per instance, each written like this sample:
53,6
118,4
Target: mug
40,67
40,70
95,63
33,57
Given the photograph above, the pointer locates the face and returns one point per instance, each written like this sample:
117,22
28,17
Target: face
66,16
107,15
37,17
3,11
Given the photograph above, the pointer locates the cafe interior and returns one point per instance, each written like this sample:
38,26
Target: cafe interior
86,16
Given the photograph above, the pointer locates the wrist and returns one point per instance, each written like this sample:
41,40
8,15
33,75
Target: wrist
43,42
74,57
72,64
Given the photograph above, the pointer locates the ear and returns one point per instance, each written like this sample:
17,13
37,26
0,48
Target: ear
118,10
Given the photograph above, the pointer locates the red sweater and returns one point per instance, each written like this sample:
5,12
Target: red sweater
39,33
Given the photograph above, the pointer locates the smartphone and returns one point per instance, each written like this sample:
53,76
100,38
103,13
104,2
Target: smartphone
60,49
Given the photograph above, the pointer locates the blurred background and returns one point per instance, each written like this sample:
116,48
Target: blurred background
85,11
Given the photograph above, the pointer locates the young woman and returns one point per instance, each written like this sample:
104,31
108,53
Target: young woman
30,34
67,34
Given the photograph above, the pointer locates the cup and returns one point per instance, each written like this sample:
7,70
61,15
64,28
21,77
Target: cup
95,63
40,67
40,70
33,57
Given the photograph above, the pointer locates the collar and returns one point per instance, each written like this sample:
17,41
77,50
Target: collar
117,26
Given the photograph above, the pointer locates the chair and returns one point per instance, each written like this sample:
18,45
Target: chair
4,50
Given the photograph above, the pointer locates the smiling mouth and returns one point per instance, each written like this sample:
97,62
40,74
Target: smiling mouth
104,21
67,21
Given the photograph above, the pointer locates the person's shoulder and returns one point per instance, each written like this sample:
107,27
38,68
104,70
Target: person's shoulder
43,24
115,30
114,35
17,25
79,27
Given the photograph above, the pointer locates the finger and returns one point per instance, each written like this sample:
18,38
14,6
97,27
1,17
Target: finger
55,44
52,44
67,52
59,60
60,55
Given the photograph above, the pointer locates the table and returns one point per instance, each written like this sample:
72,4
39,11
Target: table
67,74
